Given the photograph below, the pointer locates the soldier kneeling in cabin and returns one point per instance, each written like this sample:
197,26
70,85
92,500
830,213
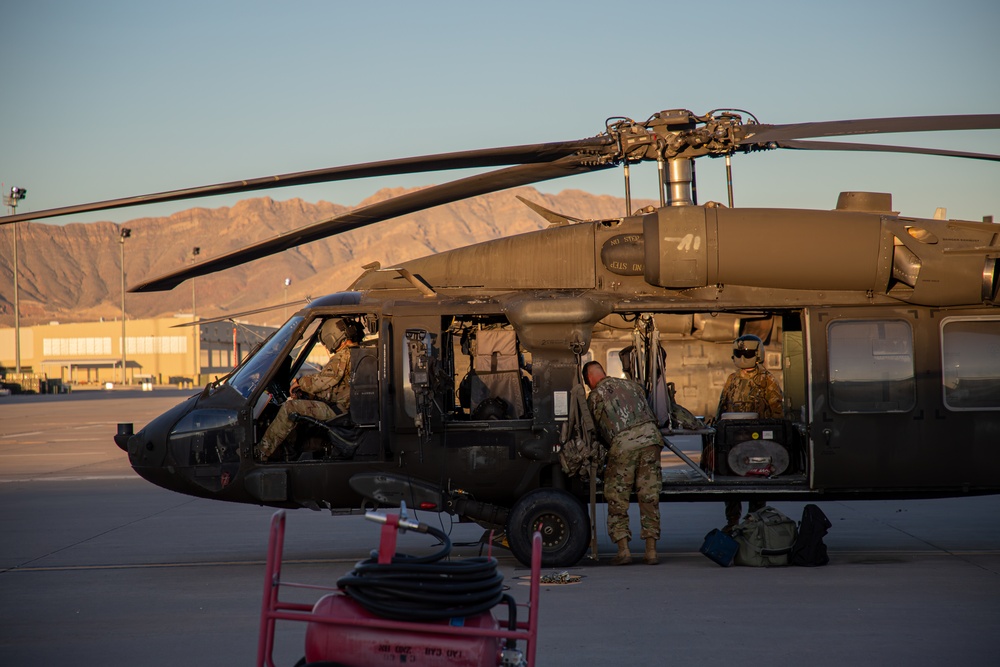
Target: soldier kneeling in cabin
324,396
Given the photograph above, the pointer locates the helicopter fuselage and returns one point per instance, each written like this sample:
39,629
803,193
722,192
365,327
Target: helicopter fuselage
886,347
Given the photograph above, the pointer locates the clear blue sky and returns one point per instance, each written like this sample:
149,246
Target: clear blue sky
104,99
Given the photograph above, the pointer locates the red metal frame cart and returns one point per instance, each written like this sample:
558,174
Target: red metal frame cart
359,637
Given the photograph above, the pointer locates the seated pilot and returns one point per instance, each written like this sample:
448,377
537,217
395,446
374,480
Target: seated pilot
325,395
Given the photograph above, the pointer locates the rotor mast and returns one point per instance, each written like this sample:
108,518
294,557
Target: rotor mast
674,138
680,183
676,183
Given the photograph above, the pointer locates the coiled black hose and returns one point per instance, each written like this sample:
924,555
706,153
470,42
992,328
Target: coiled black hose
426,588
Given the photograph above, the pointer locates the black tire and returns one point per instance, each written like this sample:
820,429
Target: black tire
562,520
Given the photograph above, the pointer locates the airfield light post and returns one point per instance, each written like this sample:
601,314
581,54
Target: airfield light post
194,318
288,281
11,200
125,233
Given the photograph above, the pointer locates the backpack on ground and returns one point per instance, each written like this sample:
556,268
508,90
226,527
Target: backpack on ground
721,548
809,549
765,538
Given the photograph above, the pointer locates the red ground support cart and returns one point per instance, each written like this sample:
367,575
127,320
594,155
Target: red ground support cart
343,630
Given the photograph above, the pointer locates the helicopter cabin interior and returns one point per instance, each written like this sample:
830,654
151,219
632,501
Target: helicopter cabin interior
465,377
685,379
468,378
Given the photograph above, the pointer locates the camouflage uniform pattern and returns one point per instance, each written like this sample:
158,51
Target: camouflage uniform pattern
751,390
327,396
639,468
618,406
332,384
625,422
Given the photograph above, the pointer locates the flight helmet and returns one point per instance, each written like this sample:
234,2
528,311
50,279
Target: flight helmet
748,351
333,333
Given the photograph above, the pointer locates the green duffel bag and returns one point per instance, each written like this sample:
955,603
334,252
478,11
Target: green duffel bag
765,538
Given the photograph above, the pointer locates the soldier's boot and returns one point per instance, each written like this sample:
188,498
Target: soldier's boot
624,556
650,555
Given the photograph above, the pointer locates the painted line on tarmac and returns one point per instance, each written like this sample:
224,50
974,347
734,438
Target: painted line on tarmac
75,478
917,552
342,561
153,566
59,454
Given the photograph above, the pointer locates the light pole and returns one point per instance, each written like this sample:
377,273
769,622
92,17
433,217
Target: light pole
125,233
11,200
288,281
194,258
194,318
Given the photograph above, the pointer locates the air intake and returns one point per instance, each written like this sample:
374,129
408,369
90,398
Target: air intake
865,202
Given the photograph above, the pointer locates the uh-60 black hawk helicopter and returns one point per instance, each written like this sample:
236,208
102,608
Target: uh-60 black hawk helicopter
883,329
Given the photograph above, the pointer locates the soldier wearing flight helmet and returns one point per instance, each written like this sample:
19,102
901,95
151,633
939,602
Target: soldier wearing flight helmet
326,395
750,389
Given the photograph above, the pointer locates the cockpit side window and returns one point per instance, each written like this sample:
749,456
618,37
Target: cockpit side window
307,355
248,377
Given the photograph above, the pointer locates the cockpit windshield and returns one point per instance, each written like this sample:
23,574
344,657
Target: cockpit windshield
254,369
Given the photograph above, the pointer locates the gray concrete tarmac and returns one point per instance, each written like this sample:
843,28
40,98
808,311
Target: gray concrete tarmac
98,567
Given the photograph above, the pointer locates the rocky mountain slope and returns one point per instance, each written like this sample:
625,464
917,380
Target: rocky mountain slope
71,272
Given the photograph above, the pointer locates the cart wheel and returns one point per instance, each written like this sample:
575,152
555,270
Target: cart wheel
562,521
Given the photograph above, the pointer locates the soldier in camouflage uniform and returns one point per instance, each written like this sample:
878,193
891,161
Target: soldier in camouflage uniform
750,389
627,424
325,395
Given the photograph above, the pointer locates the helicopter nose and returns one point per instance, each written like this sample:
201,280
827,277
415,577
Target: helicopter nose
148,447
145,449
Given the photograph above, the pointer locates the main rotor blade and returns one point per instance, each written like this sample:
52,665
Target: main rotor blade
384,210
844,146
242,313
762,134
486,157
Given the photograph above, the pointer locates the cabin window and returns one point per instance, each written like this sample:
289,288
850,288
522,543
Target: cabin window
613,363
970,363
871,366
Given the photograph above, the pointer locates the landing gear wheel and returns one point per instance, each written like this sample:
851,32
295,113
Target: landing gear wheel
562,521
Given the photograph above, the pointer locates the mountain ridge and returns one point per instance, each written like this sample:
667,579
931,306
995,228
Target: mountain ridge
72,272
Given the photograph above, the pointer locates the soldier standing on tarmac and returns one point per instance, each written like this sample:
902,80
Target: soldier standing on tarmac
627,424
749,389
